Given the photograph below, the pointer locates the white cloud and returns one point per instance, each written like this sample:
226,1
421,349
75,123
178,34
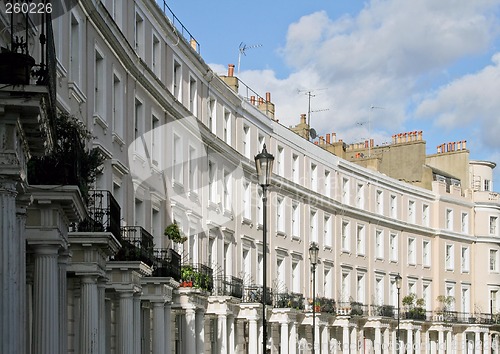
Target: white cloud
380,56
471,101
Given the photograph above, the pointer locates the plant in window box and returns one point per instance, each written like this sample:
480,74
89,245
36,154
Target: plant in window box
356,308
70,162
174,233
187,276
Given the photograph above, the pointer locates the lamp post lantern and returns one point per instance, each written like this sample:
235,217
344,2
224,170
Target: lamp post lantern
313,258
398,286
264,166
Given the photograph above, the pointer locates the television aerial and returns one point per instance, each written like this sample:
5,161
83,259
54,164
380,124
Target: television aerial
309,93
242,50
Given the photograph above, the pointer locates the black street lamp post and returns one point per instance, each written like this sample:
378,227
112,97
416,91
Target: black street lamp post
398,286
313,257
264,165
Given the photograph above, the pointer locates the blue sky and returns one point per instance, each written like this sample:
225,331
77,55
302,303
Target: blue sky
429,65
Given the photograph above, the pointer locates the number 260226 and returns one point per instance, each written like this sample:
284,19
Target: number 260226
28,8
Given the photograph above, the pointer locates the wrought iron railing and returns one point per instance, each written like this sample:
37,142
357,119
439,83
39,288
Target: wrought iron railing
254,294
167,264
137,245
197,276
289,300
352,308
104,214
382,310
188,37
228,286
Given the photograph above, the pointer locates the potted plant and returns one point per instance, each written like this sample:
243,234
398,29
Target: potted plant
446,301
187,275
414,307
69,162
15,63
356,308
174,233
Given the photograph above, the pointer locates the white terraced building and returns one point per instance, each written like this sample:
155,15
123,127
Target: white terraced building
97,274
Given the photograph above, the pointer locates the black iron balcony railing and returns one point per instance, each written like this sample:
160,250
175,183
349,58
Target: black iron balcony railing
104,214
197,276
325,305
254,294
167,264
181,29
382,310
137,245
228,286
289,300
352,308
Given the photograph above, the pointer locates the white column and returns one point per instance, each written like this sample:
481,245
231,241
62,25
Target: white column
427,341
449,338
231,332
284,339
486,343
325,339
158,327
387,341
394,341
23,312
345,339
136,323
63,308
200,332
409,341
292,340
101,299
418,341
477,342
190,337
353,344
317,338
441,343
11,309
46,300
89,315
222,333
253,340
168,328
377,345
126,324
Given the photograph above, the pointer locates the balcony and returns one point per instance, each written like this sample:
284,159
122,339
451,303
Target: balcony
254,294
104,214
352,308
325,305
167,264
197,276
229,286
289,300
382,310
137,245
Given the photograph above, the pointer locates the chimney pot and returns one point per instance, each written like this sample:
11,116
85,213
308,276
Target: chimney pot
303,118
230,70
261,100
252,100
268,96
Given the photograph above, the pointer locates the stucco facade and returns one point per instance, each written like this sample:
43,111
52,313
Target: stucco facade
179,143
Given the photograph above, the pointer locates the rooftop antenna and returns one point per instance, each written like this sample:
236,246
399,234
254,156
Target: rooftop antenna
242,50
372,107
309,94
